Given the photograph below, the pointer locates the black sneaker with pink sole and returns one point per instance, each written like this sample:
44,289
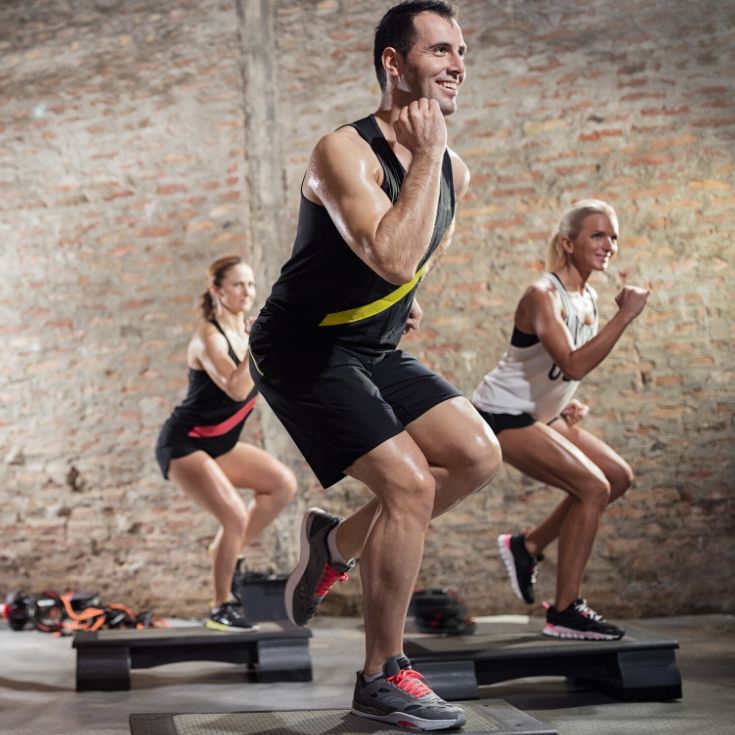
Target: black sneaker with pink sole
579,621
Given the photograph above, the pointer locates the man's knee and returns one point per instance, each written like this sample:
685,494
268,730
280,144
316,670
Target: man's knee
410,493
482,460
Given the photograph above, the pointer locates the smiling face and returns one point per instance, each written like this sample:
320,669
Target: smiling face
236,291
595,244
434,65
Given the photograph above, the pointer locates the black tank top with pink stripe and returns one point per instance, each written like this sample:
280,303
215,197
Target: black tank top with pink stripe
208,412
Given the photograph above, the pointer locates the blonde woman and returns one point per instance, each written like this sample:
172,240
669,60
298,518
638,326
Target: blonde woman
528,401
199,446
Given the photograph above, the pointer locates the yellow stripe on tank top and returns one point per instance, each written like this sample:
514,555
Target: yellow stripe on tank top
255,362
374,307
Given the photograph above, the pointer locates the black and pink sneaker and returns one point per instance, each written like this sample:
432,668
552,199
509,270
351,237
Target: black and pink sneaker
579,621
315,573
521,565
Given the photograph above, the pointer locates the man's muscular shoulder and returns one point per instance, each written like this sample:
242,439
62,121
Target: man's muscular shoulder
341,154
344,145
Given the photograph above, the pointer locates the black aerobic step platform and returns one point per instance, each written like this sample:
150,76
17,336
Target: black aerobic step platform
641,666
493,718
272,652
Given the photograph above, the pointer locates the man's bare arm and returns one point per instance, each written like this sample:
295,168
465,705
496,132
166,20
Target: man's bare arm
389,238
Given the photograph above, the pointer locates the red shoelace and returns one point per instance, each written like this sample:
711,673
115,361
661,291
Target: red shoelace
411,682
329,576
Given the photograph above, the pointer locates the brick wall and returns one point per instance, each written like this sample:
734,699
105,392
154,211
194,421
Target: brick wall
140,140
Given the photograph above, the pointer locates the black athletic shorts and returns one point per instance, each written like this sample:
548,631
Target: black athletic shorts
174,442
500,421
337,404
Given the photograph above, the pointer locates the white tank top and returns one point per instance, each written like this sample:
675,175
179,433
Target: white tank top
526,379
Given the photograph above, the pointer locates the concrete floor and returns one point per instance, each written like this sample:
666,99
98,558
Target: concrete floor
37,695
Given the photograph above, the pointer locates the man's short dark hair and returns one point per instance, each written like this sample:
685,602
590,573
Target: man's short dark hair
396,29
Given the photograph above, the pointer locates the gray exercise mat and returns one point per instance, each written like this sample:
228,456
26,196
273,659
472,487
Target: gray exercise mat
495,717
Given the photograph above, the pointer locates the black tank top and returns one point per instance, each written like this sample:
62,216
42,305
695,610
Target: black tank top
325,292
207,411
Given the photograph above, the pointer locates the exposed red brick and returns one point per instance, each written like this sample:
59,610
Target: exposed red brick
167,189
155,232
649,111
713,122
651,160
599,134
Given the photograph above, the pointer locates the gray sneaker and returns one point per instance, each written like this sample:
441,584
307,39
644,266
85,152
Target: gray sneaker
315,574
401,697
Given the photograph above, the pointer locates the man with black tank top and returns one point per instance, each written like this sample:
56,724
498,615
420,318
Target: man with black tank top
377,210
